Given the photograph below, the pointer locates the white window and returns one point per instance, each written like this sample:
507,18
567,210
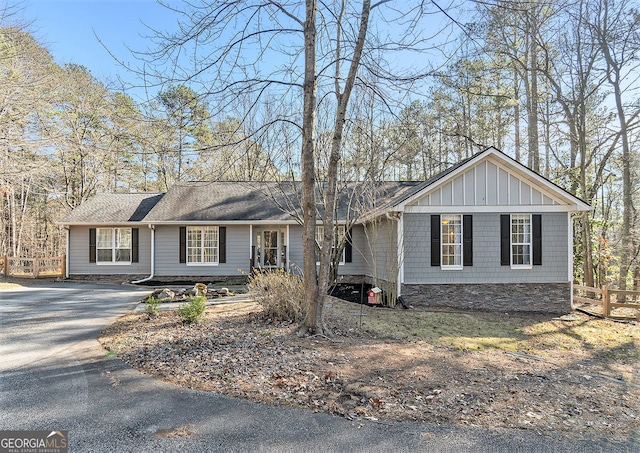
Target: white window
338,240
202,245
451,243
521,240
113,246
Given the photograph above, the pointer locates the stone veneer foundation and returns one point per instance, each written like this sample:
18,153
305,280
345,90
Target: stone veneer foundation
504,298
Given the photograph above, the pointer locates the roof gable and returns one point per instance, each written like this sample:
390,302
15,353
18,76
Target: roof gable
491,180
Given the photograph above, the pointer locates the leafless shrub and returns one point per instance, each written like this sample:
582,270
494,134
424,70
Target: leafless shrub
279,293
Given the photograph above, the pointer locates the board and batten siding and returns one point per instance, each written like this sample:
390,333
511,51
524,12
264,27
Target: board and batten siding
168,254
79,257
486,253
486,184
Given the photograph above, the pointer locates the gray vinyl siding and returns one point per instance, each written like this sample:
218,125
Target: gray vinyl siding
168,254
382,249
295,249
79,254
486,253
358,264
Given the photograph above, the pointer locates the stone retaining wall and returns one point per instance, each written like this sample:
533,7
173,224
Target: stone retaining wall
504,298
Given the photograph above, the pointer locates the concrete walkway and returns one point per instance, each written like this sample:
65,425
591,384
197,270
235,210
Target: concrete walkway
55,376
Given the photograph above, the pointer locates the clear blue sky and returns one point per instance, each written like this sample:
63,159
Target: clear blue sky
68,28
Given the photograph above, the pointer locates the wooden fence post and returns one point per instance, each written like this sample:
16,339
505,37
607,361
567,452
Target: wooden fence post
63,266
606,309
5,266
36,268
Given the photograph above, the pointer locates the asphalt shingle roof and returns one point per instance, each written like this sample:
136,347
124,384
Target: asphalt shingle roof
265,201
225,201
113,208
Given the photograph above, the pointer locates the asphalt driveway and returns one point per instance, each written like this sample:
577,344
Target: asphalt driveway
55,376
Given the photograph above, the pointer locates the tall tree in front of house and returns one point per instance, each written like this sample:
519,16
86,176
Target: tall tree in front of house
307,59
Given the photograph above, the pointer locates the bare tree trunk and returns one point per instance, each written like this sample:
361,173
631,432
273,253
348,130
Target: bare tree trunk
587,260
336,147
308,168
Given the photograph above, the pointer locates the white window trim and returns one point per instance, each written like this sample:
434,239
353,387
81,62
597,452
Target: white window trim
530,243
452,267
113,262
342,261
202,263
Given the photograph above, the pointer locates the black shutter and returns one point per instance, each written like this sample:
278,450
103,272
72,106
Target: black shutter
467,240
92,245
536,221
435,240
505,240
135,232
183,244
348,248
222,244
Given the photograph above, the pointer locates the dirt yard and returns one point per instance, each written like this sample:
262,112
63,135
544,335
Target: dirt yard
575,374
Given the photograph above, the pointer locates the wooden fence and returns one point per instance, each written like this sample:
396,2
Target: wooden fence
609,300
33,267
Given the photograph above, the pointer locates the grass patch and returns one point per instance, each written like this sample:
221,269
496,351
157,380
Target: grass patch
533,334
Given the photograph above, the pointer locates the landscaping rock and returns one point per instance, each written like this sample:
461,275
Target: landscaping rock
163,294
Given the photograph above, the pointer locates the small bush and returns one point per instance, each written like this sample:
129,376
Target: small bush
151,306
279,293
193,311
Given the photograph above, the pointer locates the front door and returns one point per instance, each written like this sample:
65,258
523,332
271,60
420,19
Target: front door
270,248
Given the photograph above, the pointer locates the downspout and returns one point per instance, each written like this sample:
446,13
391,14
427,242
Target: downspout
66,261
153,256
400,253
570,220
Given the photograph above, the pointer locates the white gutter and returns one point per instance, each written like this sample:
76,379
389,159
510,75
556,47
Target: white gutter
153,257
